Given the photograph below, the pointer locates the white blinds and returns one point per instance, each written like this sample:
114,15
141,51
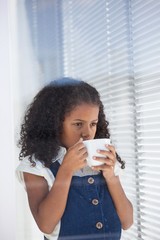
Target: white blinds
115,45
146,54
148,145
118,96
82,21
96,49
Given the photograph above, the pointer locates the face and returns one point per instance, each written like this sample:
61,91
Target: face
81,122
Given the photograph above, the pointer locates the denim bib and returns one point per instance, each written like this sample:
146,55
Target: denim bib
90,213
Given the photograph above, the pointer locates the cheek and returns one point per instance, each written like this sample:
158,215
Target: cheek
69,136
70,141
73,137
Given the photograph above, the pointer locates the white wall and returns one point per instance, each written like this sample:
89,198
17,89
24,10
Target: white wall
7,177
27,81
20,80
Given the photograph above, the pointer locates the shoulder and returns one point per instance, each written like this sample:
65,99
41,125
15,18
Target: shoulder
39,170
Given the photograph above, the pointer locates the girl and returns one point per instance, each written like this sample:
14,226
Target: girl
67,198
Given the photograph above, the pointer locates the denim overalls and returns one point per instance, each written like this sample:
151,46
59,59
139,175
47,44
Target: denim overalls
90,213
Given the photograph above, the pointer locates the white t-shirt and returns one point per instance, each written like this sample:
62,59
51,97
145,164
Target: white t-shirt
40,170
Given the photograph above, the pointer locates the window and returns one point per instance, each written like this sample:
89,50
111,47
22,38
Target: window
44,18
115,45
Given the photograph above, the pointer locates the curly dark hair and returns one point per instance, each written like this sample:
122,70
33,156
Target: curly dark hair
43,120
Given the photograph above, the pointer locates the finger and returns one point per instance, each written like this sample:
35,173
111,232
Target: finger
111,148
78,145
83,152
107,154
106,161
103,167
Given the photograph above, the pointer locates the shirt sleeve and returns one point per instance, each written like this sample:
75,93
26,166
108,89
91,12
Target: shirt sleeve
39,169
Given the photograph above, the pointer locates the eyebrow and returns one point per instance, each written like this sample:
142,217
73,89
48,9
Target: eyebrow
95,120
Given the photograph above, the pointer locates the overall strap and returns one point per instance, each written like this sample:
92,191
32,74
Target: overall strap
54,167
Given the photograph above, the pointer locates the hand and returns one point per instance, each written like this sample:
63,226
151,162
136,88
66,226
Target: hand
109,161
75,157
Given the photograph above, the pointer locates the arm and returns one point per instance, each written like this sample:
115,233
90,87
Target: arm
122,204
47,207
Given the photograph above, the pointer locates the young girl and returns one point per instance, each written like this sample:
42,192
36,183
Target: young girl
68,199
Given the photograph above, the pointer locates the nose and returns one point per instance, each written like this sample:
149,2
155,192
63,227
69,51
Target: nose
85,137
86,133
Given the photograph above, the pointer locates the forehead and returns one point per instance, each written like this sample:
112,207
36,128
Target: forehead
84,111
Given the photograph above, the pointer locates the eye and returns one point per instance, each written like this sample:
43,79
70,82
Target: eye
94,124
78,124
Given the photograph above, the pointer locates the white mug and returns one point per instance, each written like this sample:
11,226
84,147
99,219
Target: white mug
92,146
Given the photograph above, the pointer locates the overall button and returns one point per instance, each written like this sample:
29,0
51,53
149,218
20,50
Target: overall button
90,180
95,201
99,225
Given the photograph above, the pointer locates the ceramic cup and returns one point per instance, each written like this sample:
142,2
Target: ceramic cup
92,146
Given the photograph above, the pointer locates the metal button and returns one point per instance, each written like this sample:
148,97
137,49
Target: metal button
95,201
90,180
99,225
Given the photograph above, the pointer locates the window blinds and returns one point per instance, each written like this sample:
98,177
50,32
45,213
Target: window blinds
115,45
82,21
146,57
96,49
